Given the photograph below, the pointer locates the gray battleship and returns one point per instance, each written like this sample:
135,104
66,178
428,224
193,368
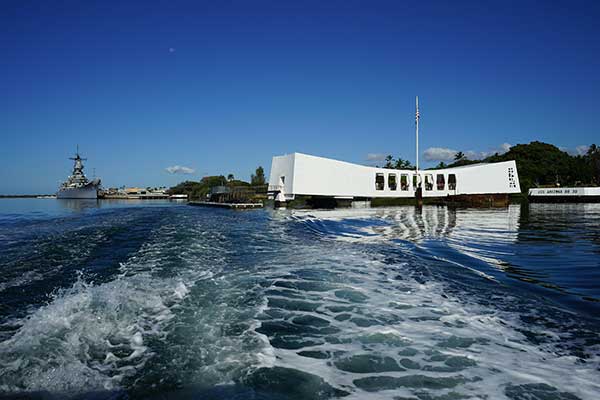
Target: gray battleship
77,186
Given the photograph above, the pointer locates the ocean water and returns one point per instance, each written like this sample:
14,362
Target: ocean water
124,300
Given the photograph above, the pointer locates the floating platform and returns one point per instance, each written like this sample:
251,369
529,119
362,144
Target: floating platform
236,206
134,197
565,195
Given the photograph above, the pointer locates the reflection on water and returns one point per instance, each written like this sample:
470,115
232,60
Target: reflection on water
559,244
553,246
34,208
87,204
409,223
78,204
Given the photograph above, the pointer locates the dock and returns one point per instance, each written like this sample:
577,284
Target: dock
565,195
135,197
235,206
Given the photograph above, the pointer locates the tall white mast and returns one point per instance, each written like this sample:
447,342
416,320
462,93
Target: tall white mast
417,132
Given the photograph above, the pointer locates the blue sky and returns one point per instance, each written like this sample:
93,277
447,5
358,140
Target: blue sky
221,87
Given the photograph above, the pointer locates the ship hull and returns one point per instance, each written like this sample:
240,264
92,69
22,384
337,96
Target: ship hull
87,192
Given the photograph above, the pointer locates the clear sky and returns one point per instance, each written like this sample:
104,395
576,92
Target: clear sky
222,86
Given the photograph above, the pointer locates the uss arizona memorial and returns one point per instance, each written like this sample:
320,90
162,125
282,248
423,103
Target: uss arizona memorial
300,174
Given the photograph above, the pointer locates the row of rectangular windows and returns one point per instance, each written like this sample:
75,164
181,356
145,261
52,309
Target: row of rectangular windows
393,184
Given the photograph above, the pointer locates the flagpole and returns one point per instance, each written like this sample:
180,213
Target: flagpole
418,189
417,132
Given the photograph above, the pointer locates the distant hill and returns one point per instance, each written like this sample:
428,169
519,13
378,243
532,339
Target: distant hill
541,164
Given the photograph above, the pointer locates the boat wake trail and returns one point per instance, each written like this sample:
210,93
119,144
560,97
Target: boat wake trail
390,319
100,337
378,304
89,337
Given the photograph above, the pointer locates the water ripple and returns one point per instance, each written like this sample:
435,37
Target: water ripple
168,301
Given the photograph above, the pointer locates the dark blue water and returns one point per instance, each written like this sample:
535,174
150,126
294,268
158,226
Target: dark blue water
163,300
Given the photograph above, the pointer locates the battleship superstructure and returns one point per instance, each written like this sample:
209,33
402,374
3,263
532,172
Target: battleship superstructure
77,186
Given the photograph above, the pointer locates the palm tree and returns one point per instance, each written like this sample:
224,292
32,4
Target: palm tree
459,156
402,164
389,162
593,155
258,178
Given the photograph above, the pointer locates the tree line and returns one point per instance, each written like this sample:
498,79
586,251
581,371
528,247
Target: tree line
199,189
538,164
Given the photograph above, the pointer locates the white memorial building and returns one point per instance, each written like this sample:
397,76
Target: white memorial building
300,174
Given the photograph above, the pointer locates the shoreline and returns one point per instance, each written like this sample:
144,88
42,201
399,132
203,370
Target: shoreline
27,196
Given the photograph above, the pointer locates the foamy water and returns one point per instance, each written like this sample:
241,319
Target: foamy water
175,301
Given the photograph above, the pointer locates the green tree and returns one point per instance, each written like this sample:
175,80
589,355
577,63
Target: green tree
389,162
402,164
199,190
185,187
258,178
214,180
392,163
543,164
230,177
593,158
